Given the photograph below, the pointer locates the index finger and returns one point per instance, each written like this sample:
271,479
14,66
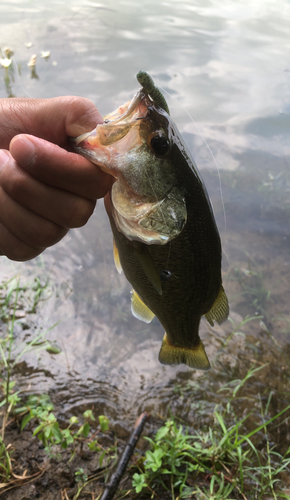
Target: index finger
53,119
59,168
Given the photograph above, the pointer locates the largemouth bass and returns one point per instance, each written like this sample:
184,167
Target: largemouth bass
165,236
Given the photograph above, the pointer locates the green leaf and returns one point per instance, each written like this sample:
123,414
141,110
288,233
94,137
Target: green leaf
154,460
51,418
102,458
89,414
56,433
67,438
38,429
47,432
161,433
166,471
94,446
86,429
80,476
104,423
139,482
53,349
25,420
42,438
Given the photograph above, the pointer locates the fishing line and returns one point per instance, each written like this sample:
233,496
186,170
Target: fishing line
209,149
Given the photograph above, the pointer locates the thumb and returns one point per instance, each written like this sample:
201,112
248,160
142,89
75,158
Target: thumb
81,116
53,119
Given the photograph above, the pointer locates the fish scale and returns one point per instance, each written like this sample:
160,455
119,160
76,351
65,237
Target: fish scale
186,248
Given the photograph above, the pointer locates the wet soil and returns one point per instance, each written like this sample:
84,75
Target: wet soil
37,475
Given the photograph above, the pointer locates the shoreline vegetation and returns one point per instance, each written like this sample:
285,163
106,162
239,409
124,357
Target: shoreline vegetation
229,452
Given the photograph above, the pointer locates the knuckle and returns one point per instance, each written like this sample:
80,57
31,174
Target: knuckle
22,253
47,235
79,213
15,248
13,181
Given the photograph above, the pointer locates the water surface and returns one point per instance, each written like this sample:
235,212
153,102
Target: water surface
227,65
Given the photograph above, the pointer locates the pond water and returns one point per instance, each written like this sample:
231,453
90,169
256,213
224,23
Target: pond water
226,65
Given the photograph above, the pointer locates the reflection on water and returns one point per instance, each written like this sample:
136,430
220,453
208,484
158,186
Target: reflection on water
227,64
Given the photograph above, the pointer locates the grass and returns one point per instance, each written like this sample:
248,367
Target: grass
227,454
15,301
219,462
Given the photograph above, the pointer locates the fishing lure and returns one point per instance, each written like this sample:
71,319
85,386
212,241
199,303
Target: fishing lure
154,92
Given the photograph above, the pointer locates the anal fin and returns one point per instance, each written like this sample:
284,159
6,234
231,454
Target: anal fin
220,309
139,309
195,357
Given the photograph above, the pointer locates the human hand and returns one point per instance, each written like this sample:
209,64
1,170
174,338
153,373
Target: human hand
45,189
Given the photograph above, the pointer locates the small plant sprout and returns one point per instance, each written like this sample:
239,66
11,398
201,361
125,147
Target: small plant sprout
48,430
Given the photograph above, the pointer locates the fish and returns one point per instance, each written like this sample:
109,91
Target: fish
165,236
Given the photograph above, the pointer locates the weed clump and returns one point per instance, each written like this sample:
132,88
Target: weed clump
216,463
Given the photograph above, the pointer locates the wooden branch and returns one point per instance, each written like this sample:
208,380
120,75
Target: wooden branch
110,489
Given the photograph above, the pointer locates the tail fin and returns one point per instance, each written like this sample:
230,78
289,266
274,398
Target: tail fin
195,357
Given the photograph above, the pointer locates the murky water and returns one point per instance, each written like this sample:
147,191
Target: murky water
227,64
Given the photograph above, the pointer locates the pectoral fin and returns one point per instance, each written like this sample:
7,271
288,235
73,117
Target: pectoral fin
116,258
195,357
139,309
220,309
148,266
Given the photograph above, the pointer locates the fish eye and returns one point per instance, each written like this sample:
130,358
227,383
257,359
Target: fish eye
160,144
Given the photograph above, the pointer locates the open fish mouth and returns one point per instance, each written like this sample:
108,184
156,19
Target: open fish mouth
106,134
133,144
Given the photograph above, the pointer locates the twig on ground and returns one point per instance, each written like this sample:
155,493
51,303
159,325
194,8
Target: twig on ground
110,489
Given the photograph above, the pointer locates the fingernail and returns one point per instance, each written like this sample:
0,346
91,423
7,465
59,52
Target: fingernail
23,150
26,153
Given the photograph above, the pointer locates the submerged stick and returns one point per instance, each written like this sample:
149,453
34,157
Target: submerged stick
110,489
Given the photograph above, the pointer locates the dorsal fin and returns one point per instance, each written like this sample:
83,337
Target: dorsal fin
139,309
220,309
